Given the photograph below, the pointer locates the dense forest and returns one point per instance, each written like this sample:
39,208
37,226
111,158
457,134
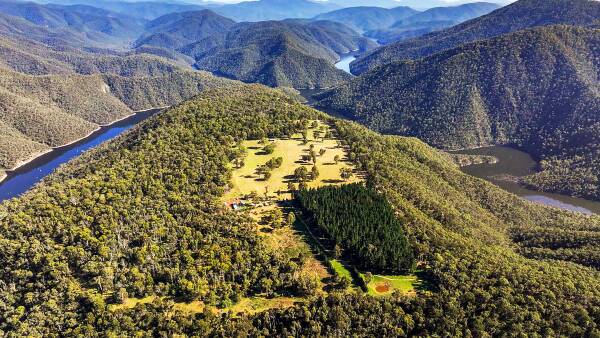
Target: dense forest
292,53
481,94
141,216
362,222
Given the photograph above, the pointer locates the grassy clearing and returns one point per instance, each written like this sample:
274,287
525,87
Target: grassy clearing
386,285
245,180
249,305
340,269
288,241
130,303
254,305
192,307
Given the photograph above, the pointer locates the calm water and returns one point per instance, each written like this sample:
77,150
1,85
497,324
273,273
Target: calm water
344,63
25,177
517,163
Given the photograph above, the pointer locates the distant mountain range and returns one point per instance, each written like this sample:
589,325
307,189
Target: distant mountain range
364,19
147,10
274,9
519,15
101,27
390,25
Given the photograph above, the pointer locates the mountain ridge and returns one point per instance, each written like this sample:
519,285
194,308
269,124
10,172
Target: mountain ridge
510,18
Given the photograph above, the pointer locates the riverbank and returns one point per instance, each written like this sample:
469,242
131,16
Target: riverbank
23,163
512,165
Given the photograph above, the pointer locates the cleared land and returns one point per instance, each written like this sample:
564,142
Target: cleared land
385,285
245,180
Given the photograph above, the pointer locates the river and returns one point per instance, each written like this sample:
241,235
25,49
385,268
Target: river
514,162
23,178
343,64
345,61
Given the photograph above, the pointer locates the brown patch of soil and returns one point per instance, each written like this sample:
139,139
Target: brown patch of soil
382,288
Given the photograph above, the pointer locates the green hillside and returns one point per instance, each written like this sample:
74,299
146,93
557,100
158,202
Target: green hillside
292,53
176,30
142,216
535,89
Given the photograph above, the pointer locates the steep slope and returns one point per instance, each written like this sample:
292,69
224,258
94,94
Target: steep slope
364,19
263,10
293,53
536,89
142,217
519,15
176,30
40,112
97,25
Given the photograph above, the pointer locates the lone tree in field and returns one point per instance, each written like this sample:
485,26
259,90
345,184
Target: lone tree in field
269,148
322,151
301,174
264,171
314,173
274,163
336,159
291,187
346,173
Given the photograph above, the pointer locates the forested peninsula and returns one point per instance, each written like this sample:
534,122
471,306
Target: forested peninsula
142,216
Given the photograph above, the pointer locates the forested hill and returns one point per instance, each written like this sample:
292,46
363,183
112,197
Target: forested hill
537,89
176,30
519,15
142,216
41,112
293,53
